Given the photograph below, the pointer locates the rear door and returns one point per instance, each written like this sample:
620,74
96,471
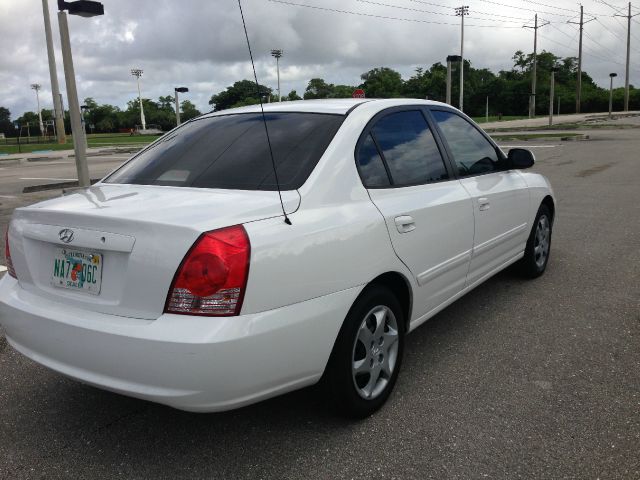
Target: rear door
500,195
428,213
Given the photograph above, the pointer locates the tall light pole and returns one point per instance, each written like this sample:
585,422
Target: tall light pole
83,8
611,77
450,60
277,53
36,87
58,113
461,12
179,90
137,72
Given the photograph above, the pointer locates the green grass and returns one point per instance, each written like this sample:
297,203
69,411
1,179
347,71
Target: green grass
534,136
93,140
494,118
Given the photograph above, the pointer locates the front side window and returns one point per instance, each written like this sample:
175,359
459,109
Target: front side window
231,152
472,152
409,149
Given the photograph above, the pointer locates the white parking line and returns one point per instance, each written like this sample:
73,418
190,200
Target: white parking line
7,196
47,178
532,146
3,268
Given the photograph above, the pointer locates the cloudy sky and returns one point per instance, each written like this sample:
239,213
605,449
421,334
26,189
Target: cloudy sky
200,43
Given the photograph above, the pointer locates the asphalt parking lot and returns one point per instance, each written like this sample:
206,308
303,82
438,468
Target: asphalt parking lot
518,379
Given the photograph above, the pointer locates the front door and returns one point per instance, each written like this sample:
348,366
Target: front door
500,195
429,214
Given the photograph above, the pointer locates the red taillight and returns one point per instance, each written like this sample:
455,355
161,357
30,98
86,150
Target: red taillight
212,278
7,254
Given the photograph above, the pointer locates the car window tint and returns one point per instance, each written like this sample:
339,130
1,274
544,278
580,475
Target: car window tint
409,149
231,152
370,164
472,152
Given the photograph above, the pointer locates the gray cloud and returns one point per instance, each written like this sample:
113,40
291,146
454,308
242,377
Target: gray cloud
200,44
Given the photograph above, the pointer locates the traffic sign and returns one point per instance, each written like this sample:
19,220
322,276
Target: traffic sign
359,93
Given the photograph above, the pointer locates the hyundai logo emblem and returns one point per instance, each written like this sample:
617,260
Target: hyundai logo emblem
66,235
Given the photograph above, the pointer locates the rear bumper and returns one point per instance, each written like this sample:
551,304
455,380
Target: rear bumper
190,363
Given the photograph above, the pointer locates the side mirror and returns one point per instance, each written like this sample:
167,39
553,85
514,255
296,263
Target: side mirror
520,158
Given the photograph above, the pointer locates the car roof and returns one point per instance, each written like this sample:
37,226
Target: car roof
340,106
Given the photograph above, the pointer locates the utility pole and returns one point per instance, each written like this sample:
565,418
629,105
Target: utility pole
626,79
58,112
579,79
532,98
137,72
461,12
277,53
37,87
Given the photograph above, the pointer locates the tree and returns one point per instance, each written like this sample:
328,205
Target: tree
189,110
240,93
317,88
6,126
293,95
382,82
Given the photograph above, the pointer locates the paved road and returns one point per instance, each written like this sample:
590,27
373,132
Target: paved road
17,174
519,379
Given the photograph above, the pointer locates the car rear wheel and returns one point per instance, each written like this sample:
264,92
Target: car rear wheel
536,254
366,358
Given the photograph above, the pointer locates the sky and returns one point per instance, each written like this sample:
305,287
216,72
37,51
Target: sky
200,44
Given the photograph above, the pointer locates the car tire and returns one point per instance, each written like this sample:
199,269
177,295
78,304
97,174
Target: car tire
366,358
538,249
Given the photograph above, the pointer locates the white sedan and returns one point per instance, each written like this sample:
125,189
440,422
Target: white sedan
177,280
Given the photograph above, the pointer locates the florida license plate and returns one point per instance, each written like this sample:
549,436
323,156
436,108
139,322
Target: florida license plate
77,270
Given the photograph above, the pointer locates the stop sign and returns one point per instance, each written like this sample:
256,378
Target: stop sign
359,93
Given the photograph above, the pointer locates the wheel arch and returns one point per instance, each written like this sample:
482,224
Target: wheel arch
400,287
548,201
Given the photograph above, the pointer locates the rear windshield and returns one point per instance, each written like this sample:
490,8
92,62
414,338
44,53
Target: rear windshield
231,152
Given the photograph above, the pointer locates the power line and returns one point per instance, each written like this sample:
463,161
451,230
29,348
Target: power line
385,17
475,11
527,9
418,10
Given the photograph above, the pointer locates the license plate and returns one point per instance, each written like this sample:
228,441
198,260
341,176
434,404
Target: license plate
77,270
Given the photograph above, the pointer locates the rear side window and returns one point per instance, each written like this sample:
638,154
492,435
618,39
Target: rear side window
371,166
231,152
472,152
409,149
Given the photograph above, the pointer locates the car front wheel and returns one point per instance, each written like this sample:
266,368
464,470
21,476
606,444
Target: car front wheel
366,358
536,254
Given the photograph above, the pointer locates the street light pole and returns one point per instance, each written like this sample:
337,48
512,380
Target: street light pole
552,93
277,53
36,87
178,90
83,8
611,76
461,12
58,113
450,60
137,72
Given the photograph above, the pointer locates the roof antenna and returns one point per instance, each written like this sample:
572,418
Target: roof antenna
264,119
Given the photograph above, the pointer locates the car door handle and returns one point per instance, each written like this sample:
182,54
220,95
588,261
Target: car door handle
484,204
405,224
